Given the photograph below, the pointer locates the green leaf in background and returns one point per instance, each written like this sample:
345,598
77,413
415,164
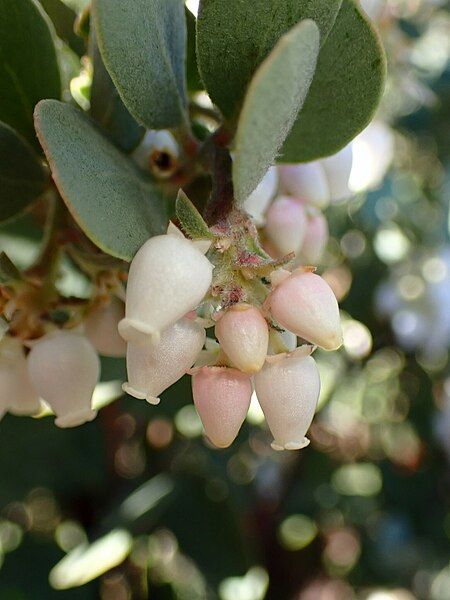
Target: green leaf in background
116,206
143,44
234,37
8,273
274,97
22,177
63,19
194,83
345,91
190,219
28,63
107,107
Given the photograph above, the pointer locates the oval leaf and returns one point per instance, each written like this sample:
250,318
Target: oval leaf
274,97
345,92
143,44
107,107
114,204
28,63
235,36
22,177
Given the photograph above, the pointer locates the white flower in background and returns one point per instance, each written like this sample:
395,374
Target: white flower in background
373,153
316,237
417,302
158,152
259,200
288,390
304,303
17,394
306,181
373,8
286,225
100,327
64,369
243,334
282,341
168,278
359,167
337,170
155,367
222,399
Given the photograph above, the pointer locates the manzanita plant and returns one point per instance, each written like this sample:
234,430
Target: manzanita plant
186,178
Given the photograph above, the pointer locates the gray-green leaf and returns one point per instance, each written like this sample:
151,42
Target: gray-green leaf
235,36
107,107
143,44
28,63
112,201
345,92
274,97
22,177
190,219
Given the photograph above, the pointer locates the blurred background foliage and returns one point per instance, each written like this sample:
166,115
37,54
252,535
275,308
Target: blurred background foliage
136,505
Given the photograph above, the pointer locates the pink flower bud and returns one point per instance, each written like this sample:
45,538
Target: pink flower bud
286,225
316,239
244,336
222,399
306,181
64,369
258,201
155,367
305,304
168,278
288,389
17,395
100,328
337,169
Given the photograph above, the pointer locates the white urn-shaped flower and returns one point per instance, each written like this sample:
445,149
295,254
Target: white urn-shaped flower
155,367
64,369
315,239
286,225
307,182
288,390
101,328
259,200
222,399
169,276
17,394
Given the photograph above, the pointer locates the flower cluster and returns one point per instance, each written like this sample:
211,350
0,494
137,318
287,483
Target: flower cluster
248,279
174,292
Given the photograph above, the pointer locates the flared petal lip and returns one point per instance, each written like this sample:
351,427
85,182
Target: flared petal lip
140,394
290,445
77,418
300,352
146,333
